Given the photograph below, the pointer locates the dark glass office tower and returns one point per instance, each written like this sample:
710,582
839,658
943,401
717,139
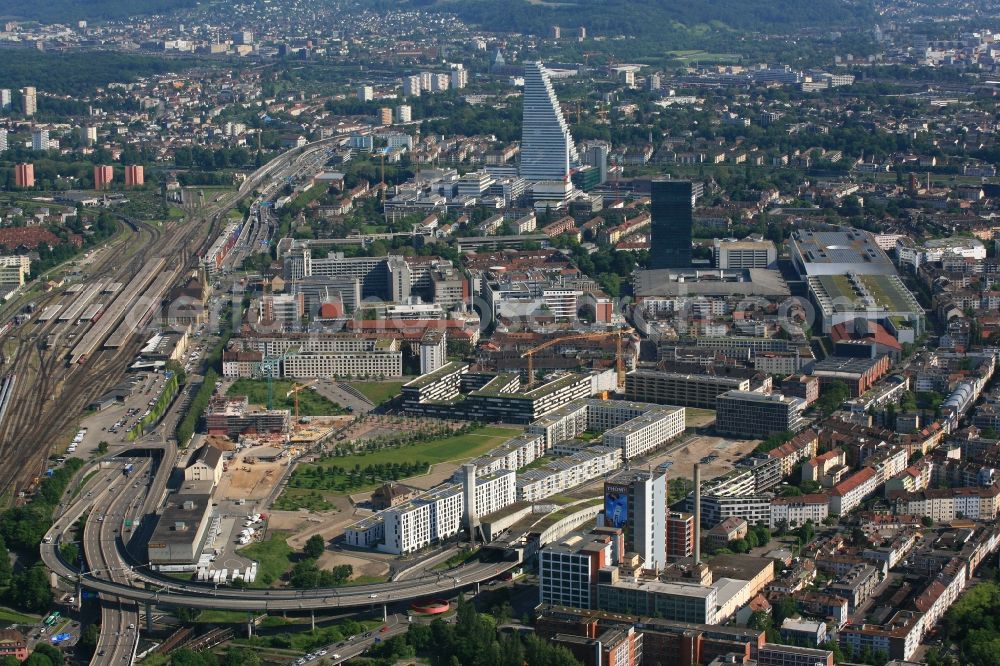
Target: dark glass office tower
670,236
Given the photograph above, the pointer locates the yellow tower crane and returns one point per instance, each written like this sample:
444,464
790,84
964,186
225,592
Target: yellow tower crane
619,359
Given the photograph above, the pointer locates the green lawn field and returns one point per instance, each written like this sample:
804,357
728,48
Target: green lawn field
378,392
459,447
312,483
272,556
311,403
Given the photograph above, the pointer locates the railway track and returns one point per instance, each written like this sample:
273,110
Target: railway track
50,394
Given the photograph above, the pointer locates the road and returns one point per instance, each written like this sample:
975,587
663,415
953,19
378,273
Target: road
348,649
105,554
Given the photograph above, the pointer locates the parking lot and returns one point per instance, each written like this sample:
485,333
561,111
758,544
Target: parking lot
112,424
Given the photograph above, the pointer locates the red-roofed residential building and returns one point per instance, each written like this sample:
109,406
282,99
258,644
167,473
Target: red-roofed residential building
13,644
849,493
796,511
864,330
942,592
801,447
28,237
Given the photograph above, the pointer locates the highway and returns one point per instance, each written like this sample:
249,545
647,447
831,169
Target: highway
117,616
104,554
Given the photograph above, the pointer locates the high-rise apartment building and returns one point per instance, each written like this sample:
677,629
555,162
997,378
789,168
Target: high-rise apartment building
680,535
40,139
385,115
412,86
30,101
24,175
459,78
597,157
404,113
366,93
88,135
670,234
555,32
3,140
103,176
5,99
636,500
439,82
134,175
547,149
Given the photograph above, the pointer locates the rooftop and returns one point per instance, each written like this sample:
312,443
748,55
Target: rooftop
845,246
715,282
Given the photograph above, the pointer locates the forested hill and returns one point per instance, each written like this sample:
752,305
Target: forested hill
646,18
71,11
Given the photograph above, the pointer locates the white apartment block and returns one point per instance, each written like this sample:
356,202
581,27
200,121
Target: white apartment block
431,517
439,82
646,432
948,504
351,364
567,472
433,351
366,533
849,493
563,424
412,86
14,270
942,593
495,492
796,511
513,454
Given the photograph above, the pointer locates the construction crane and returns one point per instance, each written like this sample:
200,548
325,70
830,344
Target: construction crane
268,369
295,392
619,359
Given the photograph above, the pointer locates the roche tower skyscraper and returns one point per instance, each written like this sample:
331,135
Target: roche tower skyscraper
547,148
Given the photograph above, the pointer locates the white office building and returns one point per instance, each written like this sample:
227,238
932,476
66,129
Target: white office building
547,148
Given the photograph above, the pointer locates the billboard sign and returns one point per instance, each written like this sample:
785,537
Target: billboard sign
615,506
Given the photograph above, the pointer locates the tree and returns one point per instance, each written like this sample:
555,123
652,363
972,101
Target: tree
102,447
30,589
314,547
54,654
784,607
761,621
240,657
88,638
